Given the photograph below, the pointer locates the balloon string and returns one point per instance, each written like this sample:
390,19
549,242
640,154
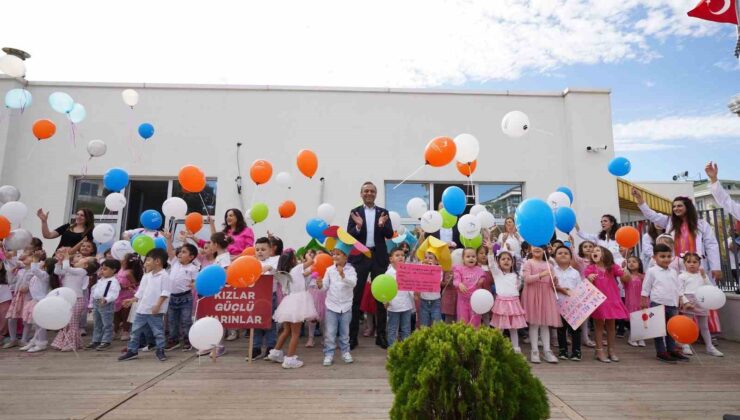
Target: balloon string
254,195
74,134
539,130
32,149
412,174
204,204
552,278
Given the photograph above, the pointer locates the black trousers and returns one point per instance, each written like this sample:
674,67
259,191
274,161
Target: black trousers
364,267
575,337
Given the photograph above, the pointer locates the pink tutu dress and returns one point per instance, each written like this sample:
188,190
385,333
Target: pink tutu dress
612,307
507,312
538,298
297,305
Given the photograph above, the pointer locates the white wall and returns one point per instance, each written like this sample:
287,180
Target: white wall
358,135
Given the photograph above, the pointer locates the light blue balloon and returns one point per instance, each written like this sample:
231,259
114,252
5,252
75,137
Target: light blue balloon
18,99
566,191
151,219
535,221
620,166
210,280
61,102
454,200
77,114
115,179
159,242
565,219
315,228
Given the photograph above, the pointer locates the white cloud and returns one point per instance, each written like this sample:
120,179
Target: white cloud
728,65
649,134
338,43
649,83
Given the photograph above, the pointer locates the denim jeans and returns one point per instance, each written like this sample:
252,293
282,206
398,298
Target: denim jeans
429,312
398,320
333,322
103,322
180,316
669,344
269,335
141,321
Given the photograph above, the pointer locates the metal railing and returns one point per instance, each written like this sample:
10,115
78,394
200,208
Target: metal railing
723,230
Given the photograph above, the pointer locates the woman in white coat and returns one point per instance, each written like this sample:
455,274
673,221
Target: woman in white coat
605,238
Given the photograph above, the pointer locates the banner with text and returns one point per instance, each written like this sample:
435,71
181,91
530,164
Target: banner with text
419,278
247,307
581,303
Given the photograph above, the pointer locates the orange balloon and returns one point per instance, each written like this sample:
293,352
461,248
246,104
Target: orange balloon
467,169
194,222
4,227
286,209
683,329
244,272
307,162
192,179
627,236
321,263
249,251
43,129
440,151
261,171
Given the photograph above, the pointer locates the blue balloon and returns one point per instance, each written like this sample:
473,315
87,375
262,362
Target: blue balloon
454,200
620,166
104,247
77,114
210,280
566,191
61,102
535,221
567,244
151,219
18,99
159,242
115,179
315,228
565,219
146,130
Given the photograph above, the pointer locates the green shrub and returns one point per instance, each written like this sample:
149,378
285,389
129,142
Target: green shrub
452,371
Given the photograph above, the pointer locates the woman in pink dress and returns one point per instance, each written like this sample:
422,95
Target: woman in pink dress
236,228
603,273
540,304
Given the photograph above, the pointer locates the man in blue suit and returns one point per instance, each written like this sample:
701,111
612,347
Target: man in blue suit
370,225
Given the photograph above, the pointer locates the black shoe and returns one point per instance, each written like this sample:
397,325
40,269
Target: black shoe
563,355
666,358
187,346
128,356
172,345
103,347
160,355
676,354
353,344
381,342
91,346
257,353
576,356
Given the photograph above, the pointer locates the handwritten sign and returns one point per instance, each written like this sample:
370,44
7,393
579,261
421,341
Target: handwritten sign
247,307
582,302
419,278
647,323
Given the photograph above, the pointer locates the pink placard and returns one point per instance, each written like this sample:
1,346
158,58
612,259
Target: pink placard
581,303
418,277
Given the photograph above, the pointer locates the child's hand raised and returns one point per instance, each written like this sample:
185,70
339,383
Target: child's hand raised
591,277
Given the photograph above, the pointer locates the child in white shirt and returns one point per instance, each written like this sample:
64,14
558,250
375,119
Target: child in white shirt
183,272
401,307
339,282
103,296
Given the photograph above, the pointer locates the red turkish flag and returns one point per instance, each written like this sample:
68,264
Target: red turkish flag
722,11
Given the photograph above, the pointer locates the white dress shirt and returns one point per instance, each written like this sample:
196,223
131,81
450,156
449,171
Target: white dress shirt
152,286
271,264
370,222
98,290
662,286
182,276
691,281
569,278
224,260
507,284
74,278
340,291
404,300
38,282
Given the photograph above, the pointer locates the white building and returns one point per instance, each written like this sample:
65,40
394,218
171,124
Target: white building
703,195
358,134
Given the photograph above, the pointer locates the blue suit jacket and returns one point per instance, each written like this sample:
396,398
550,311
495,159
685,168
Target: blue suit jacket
380,254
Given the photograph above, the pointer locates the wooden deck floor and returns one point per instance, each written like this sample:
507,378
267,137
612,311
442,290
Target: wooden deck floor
54,385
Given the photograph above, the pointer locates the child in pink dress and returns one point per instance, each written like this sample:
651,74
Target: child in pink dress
467,279
128,277
632,290
540,303
507,312
603,273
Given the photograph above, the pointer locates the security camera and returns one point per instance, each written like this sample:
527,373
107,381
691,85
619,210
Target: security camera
596,148
321,179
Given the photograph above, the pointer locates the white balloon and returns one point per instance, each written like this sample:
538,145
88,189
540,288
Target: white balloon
284,179
467,148
481,301
66,293
12,66
17,240
558,199
469,226
486,219
14,211
326,212
96,148
457,257
710,297
130,97
431,221
401,230
174,207
9,193
395,220
119,249
52,313
103,233
515,124
477,209
206,333
416,207
115,201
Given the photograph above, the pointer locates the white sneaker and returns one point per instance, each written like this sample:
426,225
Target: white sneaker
28,346
549,357
328,360
632,343
277,356
534,357
712,351
686,349
517,350
641,343
292,363
590,343
232,335
347,358
10,344
37,348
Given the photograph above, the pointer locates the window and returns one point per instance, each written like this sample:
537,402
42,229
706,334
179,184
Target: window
89,193
194,200
500,199
396,199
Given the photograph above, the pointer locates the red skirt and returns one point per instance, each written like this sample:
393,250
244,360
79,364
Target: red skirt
367,304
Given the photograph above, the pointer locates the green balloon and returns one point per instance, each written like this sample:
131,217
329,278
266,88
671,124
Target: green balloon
448,220
143,244
259,212
472,243
384,288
